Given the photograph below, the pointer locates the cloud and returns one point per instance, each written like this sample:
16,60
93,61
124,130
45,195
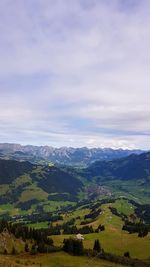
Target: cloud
75,72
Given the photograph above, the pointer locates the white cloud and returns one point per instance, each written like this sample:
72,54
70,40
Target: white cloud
94,63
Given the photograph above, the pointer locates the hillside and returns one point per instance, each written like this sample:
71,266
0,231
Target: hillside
128,168
10,170
129,176
30,187
23,182
64,155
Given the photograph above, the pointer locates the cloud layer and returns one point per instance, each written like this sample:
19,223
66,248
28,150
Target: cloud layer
75,73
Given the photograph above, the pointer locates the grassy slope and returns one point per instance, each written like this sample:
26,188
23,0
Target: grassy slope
10,241
58,259
131,189
38,225
33,192
11,209
123,206
138,247
113,239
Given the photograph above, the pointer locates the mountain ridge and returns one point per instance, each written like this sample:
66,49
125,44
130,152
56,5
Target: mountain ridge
130,167
63,155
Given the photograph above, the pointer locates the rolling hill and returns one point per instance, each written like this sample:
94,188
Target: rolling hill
25,182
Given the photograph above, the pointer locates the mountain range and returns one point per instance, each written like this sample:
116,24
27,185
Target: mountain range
64,155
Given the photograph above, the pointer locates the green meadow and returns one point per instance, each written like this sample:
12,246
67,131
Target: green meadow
59,259
113,239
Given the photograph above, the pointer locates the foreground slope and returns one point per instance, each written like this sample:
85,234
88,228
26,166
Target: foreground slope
59,259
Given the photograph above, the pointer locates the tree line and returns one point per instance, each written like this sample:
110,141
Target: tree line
133,227
68,229
39,237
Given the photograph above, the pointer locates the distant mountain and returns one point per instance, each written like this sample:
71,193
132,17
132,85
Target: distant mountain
133,167
64,155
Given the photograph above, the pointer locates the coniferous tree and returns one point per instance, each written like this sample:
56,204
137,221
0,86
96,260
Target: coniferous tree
26,248
33,249
5,251
97,246
127,254
73,246
13,252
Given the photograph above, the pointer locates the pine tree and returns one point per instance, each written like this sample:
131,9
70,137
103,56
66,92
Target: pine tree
13,252
26,248
5,251
77,247
33,249
127,254
97,246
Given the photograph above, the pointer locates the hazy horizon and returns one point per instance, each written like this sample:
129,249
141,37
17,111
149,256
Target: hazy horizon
74,147
75,73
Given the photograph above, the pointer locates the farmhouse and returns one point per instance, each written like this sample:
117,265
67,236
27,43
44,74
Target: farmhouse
79,237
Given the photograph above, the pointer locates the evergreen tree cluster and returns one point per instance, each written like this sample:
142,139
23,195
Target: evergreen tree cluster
39,216
69,229
54,230
74,230
142,211
115,212
73,246
93,214
140,228
39,236
100,228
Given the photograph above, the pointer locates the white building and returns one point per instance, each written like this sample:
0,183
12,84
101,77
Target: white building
79,237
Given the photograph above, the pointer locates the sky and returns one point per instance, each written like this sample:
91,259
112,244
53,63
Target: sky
75,73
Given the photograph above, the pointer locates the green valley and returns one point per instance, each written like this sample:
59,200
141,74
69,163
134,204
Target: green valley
100,202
